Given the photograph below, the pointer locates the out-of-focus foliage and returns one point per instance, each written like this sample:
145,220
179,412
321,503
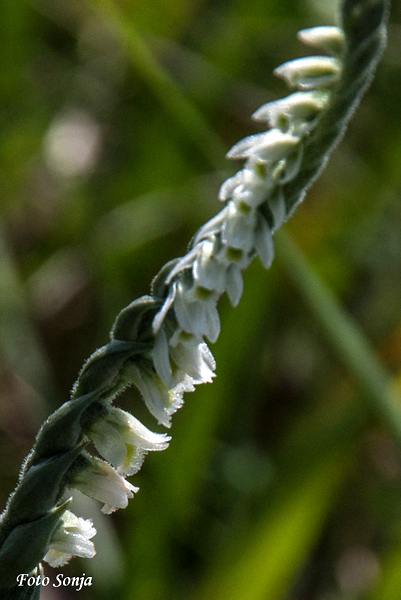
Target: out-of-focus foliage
280,481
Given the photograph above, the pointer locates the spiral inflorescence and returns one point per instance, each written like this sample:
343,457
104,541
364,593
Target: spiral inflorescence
159,342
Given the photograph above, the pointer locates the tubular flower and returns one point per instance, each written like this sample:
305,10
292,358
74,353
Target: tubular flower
100,481
160,400
71,538
310,72
330,39
123,441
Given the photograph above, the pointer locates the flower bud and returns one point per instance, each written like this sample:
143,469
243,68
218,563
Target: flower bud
330,39
310,72
271,146
302,106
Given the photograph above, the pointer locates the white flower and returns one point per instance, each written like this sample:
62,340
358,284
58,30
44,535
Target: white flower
196,310
234,283
270,146
161,401
327,38
310,72
101,482
290,167
297,110
161,358
238,230
278,208
124,441
71,538
247,186
207,272
228,187
192,356
264,242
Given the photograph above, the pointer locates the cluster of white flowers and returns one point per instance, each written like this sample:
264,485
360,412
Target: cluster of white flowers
254,208
123,441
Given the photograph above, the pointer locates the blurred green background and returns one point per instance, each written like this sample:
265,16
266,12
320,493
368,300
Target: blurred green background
283,477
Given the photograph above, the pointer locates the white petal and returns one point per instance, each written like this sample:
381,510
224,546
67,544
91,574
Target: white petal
235,284
251,196
154,393
55,558
229,186
137,434
161,315
211,227
310,72
197,314
119,500
275,145
199,317
108,441
177,393
161,358
212,331
207,271
196,360
124,441
327,38
228,256
292,165
79,525
264,243
243,148
183,310
74,546
238,228
247,186
278,208
101,482
299,105
71,538
185,262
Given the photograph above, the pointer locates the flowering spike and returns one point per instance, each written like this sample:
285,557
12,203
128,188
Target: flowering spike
158,342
